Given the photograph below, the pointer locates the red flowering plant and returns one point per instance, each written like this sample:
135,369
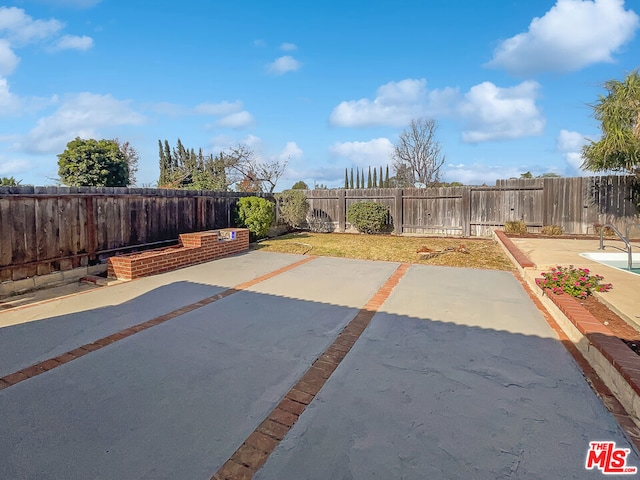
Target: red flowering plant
577,282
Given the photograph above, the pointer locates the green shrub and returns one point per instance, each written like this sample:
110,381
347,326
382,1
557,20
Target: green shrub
367,217
256,214
515,227
293,206
552,230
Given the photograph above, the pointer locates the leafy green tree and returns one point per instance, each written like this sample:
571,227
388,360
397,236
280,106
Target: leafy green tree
549,175
526,175
300,185
619,114
93,163
183,168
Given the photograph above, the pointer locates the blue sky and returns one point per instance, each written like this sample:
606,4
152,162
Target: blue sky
326,85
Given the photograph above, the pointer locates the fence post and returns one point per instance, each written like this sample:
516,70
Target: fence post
92,240
342,210
397,212
466,211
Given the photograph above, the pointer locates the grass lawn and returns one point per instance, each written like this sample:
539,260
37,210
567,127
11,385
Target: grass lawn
483,253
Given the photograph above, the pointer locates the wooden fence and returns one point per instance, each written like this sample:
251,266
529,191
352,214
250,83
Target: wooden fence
578,205
46,229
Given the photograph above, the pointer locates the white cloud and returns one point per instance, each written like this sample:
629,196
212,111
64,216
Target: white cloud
396,103
291,151
218,109
571,35
494,113
570,145
570,141
488,112
73,42
9,103
478,174
373,152
8,60
235,120
79,115
18,27
11,167
288,47
283,65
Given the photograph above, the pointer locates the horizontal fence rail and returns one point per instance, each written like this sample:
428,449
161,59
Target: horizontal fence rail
578,205
46,229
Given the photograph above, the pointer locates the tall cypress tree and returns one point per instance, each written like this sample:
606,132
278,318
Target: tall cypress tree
375,178
387,183
381,181
357,177
351,182
346,179
369,178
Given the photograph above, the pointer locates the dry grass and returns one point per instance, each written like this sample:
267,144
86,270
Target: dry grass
482,253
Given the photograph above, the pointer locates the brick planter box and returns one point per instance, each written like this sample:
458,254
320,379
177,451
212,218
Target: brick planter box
194,248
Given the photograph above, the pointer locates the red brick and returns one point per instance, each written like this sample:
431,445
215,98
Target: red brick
273,429
250,457
14,378
234,471
291,406
299,396
285,418
262,442
49,364
33,370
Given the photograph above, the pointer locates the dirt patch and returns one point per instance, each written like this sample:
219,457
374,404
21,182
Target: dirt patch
619,327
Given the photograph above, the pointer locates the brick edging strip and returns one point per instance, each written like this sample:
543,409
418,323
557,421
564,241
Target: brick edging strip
623,359
255,450
515,252
51,363
595,382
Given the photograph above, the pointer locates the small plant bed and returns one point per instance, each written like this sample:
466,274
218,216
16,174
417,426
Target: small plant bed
580,283
475,253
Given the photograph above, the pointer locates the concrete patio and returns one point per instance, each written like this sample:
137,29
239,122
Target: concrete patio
457,375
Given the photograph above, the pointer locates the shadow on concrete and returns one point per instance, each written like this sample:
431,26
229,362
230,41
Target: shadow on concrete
417,396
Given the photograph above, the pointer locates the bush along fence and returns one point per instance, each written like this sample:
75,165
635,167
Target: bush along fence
50,229
572,205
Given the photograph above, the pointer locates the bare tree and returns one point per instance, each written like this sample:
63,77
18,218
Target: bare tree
417,157
246,169
132,156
